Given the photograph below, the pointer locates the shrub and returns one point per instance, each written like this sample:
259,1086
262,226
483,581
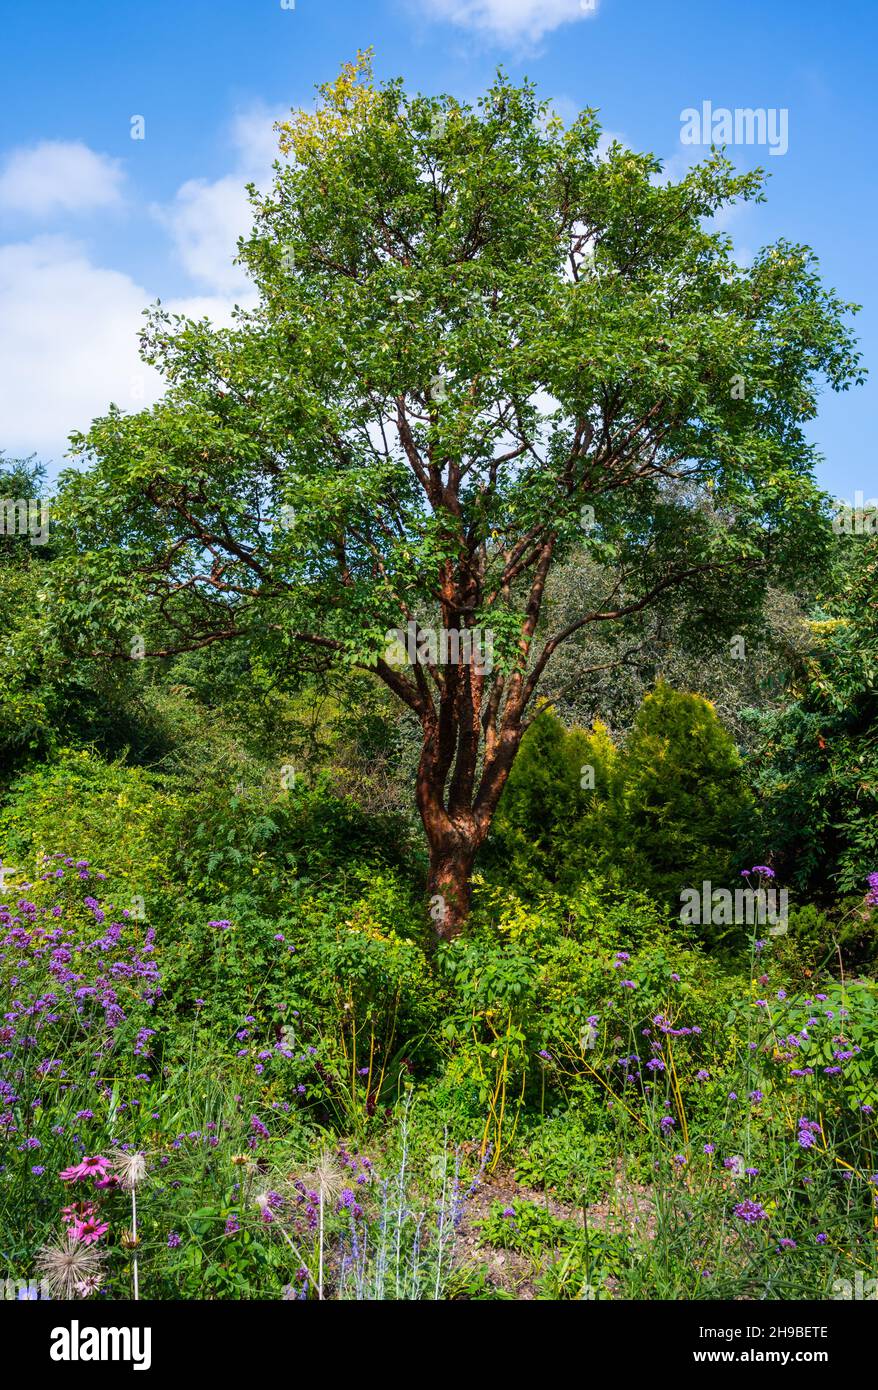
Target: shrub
678,800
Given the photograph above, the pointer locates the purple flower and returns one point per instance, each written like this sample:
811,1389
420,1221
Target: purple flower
750,1211
173,1240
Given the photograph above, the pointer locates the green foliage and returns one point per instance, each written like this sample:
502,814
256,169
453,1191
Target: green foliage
665,812
257,995
678,802
549,823
815,769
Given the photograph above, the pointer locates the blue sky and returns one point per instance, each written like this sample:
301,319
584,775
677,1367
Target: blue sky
95,225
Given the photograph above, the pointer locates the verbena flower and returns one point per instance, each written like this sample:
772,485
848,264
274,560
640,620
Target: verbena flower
750,1211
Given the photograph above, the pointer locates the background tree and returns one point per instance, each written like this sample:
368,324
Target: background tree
550,821
678,800
816,763
479,346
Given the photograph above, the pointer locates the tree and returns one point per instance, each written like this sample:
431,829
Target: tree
678,800
478,345
816,759
551,816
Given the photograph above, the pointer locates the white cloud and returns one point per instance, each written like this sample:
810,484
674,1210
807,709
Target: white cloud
58,175
69,345
512,20
207,217
205,221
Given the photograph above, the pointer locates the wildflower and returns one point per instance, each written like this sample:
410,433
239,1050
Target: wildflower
173,1240
710,1148
68,1266
96,1167
750,1211
702,1075
822,1238
89,1231
89,1285
808,1130
130,1166
232,1226
786,1244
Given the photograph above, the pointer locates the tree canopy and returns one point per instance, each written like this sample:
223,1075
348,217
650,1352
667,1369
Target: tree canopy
481,345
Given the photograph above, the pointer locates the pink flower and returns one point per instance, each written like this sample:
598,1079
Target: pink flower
96,1167
87,1232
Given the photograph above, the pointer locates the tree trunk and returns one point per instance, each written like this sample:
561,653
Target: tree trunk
449,886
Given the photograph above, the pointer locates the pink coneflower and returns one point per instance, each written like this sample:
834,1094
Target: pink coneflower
81,1211
96,1167
87,1232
